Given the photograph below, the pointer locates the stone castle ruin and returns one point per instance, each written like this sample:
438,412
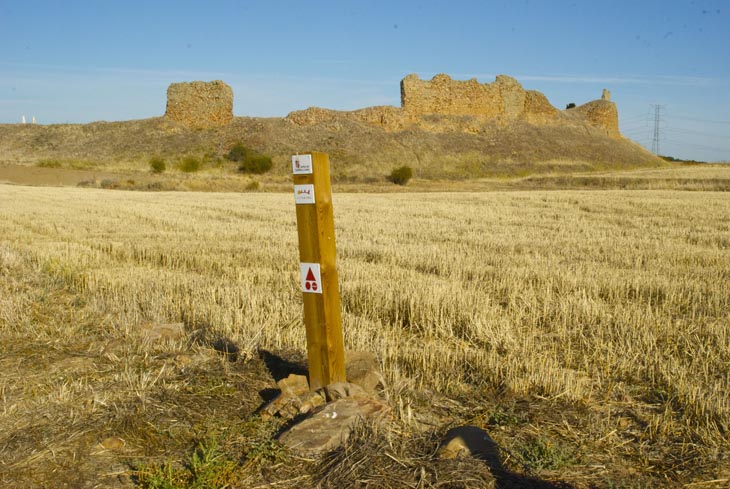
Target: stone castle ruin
502,101
440,104
200,105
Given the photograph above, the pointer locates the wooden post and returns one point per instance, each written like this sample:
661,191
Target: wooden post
320,290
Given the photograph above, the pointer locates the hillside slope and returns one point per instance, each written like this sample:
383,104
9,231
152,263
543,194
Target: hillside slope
358,151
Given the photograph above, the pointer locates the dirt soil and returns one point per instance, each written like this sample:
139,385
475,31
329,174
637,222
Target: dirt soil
54,177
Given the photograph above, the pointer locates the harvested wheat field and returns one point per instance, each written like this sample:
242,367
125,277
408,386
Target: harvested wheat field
587,331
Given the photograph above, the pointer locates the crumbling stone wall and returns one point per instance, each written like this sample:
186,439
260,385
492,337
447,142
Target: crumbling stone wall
441,95
538,108
200,104
311,116
388,117
442,105
602,114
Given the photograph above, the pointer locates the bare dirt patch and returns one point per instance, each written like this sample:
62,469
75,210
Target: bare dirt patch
55,177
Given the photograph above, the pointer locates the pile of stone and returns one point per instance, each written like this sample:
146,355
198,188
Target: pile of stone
331,412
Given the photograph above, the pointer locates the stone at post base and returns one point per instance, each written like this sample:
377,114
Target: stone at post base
330,427
363,380
341,390
294,392
362,369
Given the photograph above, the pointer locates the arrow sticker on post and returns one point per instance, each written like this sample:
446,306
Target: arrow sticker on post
311,278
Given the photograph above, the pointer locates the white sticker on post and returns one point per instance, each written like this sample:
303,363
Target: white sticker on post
311,278
304,194
301,164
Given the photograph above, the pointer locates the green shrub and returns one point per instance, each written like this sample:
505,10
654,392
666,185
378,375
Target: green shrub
253,185
540,453
190,164
209,466
239,152
249,161
255,164
157,164
400,176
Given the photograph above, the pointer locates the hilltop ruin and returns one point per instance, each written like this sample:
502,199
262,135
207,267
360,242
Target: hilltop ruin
466,105
200,105
441,104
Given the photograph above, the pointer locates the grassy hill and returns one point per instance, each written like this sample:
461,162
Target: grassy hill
359,152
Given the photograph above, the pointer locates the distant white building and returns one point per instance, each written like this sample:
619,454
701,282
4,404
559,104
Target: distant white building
23,119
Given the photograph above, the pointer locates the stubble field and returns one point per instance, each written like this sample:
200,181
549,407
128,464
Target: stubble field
609,311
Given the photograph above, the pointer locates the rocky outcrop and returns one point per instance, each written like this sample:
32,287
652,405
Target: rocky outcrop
200,105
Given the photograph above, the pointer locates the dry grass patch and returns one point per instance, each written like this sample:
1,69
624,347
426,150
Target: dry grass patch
87,400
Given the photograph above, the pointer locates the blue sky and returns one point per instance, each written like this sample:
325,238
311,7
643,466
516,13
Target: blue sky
82,61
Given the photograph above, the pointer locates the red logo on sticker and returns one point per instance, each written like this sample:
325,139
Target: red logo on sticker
310,282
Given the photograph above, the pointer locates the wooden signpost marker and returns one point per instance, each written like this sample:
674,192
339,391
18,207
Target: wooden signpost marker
321,294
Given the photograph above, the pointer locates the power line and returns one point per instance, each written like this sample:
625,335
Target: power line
627,129
700,147
636,118
683,132
702,120
674,137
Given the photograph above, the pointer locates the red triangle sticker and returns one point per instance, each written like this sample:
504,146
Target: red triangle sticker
310,276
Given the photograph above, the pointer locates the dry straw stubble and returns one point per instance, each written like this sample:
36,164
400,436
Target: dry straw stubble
615,300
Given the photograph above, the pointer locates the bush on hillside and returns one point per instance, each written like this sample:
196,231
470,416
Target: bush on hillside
249,161
157,164
256,164
401,175
189,164
238,152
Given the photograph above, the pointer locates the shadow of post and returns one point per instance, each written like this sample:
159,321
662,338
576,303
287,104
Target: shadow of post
280,367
